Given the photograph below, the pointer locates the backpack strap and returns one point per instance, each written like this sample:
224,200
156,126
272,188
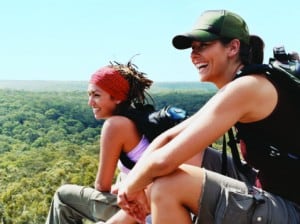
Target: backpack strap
244,168
276,72
254,69
126,161
247,173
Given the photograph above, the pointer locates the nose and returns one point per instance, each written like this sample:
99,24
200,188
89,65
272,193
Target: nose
193,56
195,51
91,101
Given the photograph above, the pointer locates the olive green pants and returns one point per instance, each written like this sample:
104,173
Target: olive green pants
72,203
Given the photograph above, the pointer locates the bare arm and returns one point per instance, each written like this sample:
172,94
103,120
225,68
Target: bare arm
108,156
118,133
235,102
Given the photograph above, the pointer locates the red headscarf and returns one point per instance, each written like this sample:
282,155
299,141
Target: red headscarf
111,81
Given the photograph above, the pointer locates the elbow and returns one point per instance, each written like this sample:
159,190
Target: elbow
102,187
162,166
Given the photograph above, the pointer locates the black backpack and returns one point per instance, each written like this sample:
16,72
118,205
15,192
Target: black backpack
284,69
152,123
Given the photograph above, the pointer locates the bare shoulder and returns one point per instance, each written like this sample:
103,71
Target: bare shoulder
255,94
251,81
250,87
122,130
119,124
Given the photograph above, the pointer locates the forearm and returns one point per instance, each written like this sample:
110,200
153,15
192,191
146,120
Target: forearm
99,186
148,168
97,181
103,182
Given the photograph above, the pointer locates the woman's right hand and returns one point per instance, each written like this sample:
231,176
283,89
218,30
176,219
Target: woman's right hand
114,189
136,205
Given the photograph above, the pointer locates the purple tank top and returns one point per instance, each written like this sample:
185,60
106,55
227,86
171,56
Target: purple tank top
134,154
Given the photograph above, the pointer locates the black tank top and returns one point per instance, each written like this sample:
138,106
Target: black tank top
273,146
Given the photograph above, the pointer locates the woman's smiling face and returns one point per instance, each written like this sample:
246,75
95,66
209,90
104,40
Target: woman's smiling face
102,104
209,58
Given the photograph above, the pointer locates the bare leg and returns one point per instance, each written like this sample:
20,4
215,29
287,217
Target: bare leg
121,217
173,197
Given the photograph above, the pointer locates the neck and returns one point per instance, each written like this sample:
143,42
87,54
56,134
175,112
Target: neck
228,75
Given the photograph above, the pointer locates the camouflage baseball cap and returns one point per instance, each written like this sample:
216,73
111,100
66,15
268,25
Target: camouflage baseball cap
213,25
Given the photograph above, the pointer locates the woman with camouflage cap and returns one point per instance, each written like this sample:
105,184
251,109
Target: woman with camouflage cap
220,47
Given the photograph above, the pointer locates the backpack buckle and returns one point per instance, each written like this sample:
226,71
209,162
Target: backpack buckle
274,152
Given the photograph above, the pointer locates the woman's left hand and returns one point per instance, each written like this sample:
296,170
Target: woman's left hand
135,204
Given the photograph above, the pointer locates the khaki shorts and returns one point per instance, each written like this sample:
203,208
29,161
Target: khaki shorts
229,201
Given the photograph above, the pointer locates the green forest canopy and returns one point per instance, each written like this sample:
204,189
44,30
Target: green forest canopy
49,137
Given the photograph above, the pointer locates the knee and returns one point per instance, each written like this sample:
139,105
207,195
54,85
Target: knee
63,192
182,186
163,187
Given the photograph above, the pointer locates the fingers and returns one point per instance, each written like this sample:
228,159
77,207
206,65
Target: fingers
137,207
122,201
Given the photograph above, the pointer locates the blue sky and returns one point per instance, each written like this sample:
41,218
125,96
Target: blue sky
70,39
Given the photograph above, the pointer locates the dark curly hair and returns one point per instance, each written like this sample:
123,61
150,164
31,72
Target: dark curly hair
138,95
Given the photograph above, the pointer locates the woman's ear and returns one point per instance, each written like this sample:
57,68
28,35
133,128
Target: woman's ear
234,47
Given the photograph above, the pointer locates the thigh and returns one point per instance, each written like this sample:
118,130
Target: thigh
183,186
89,202
226,200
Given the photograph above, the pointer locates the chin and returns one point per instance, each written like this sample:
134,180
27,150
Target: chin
97,117
203,78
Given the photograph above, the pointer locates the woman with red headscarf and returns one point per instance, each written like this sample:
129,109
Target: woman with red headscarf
117,94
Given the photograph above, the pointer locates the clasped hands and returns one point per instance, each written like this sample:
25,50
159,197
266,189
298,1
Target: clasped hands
135,204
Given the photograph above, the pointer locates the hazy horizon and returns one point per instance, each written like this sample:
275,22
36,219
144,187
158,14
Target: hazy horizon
69,85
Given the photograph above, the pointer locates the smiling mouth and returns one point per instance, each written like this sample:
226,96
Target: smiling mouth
201,66
96,110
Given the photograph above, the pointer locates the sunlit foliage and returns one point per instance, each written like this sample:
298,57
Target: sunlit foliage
51,138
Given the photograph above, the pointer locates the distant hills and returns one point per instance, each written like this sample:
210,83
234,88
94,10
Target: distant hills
40,85
45,86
